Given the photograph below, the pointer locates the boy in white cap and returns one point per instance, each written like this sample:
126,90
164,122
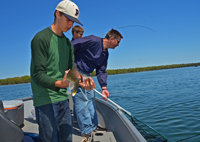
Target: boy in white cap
52,56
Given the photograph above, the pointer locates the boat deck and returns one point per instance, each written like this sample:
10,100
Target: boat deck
119,128
30,126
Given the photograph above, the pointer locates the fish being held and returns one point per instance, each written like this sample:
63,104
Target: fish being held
84,77
73,80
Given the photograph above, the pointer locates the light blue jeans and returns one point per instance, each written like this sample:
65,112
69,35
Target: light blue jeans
85,110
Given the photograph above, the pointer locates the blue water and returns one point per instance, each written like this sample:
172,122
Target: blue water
167,100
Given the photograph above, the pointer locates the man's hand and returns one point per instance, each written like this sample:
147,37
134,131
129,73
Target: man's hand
105,93
88,84
64,83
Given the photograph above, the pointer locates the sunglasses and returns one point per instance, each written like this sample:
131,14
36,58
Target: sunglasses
117,41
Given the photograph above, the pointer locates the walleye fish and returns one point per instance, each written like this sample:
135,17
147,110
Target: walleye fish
73,80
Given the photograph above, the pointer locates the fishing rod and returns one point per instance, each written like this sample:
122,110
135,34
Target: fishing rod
127,112
132,26
188,138
133,120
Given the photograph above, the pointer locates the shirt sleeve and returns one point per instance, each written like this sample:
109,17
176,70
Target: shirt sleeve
82,44
72,59
39,50
102,74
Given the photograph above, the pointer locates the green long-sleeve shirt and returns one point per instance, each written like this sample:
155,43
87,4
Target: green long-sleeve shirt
51,55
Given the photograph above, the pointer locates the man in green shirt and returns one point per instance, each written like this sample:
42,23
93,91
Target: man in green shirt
52,56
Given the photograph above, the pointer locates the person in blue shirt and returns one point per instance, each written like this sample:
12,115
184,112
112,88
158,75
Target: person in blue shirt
77,32
91,53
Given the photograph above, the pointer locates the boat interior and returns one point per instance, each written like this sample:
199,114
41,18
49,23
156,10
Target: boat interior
119,128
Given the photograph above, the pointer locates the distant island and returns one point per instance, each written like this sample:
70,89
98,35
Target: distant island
27,79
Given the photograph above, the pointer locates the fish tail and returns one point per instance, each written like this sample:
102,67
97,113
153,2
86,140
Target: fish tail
76,84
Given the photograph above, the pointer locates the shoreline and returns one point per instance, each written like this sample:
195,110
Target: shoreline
27,79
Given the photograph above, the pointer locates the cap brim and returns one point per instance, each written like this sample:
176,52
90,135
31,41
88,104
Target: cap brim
73,19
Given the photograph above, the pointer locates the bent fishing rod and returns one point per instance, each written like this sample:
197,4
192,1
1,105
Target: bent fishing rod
132,26
127,112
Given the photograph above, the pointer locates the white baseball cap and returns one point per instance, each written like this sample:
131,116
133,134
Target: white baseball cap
70,10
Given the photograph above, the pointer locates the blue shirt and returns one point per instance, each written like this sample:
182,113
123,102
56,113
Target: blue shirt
72,39
89,55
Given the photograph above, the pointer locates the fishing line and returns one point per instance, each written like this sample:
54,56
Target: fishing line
132,26
150,133
188,138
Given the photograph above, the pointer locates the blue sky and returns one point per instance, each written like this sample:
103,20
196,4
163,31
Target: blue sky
176,22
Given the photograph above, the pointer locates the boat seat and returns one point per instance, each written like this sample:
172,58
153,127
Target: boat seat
9,131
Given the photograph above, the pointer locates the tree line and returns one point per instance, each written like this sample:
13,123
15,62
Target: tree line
15,80
27,79
151,68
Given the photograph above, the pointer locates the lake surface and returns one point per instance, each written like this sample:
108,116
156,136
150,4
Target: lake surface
167,100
